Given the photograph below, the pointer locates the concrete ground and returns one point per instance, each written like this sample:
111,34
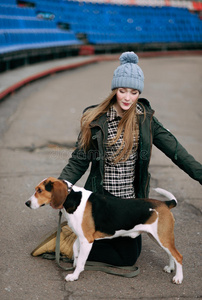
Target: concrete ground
38,127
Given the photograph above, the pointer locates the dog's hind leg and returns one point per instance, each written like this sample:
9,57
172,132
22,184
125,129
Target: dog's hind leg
164,235
175,258
171,266
84,250
162,231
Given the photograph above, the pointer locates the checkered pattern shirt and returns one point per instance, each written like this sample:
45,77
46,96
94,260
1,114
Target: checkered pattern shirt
119,178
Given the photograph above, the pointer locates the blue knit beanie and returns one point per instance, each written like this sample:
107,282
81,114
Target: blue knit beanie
128,74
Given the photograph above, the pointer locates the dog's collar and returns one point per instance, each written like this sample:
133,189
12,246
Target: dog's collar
69,187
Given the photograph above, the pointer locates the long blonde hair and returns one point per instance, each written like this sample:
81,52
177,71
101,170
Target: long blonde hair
128,126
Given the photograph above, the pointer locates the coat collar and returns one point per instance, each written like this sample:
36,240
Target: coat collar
102,121
146,105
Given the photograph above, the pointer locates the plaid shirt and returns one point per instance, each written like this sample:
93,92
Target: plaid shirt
119,178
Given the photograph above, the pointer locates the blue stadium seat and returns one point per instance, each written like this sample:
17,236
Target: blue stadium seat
13,10
8,2
101,23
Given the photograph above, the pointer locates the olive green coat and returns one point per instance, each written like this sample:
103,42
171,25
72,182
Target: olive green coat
150,132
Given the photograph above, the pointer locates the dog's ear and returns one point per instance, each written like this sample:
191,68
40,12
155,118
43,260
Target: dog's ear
59,194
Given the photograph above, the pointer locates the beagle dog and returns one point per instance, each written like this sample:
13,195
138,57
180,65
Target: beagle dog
94,216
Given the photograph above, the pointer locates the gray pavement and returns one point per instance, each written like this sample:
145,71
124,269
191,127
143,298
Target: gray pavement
12,77
38,127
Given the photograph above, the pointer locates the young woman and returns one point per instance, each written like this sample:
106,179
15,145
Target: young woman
116,138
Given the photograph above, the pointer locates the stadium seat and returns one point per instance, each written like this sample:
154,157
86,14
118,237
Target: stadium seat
100,23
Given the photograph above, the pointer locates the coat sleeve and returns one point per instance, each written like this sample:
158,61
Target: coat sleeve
78,162
169,145
76,167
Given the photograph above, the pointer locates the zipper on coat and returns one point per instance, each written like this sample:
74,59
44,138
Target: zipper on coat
149,176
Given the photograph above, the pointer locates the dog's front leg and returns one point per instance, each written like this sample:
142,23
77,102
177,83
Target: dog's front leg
75,252
84,250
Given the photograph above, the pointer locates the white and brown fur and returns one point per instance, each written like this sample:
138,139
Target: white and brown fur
93,216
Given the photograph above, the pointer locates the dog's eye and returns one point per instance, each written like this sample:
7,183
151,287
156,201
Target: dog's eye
39,190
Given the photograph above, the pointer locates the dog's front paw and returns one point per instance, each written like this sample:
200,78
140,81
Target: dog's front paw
177,279
168,269
71,277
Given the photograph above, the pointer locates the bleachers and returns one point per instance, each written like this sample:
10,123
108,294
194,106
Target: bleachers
123,24
104,23
107,23
14,10
15,39
20,29
23,27
17,22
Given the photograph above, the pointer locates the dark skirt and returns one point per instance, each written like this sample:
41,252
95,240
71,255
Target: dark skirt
121,251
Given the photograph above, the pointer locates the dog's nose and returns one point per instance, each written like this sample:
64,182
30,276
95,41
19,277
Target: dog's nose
28,203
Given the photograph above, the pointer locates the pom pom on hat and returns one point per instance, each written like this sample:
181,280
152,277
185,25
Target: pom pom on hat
128,74
128,57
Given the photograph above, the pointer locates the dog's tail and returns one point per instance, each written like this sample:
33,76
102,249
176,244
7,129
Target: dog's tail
172,200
